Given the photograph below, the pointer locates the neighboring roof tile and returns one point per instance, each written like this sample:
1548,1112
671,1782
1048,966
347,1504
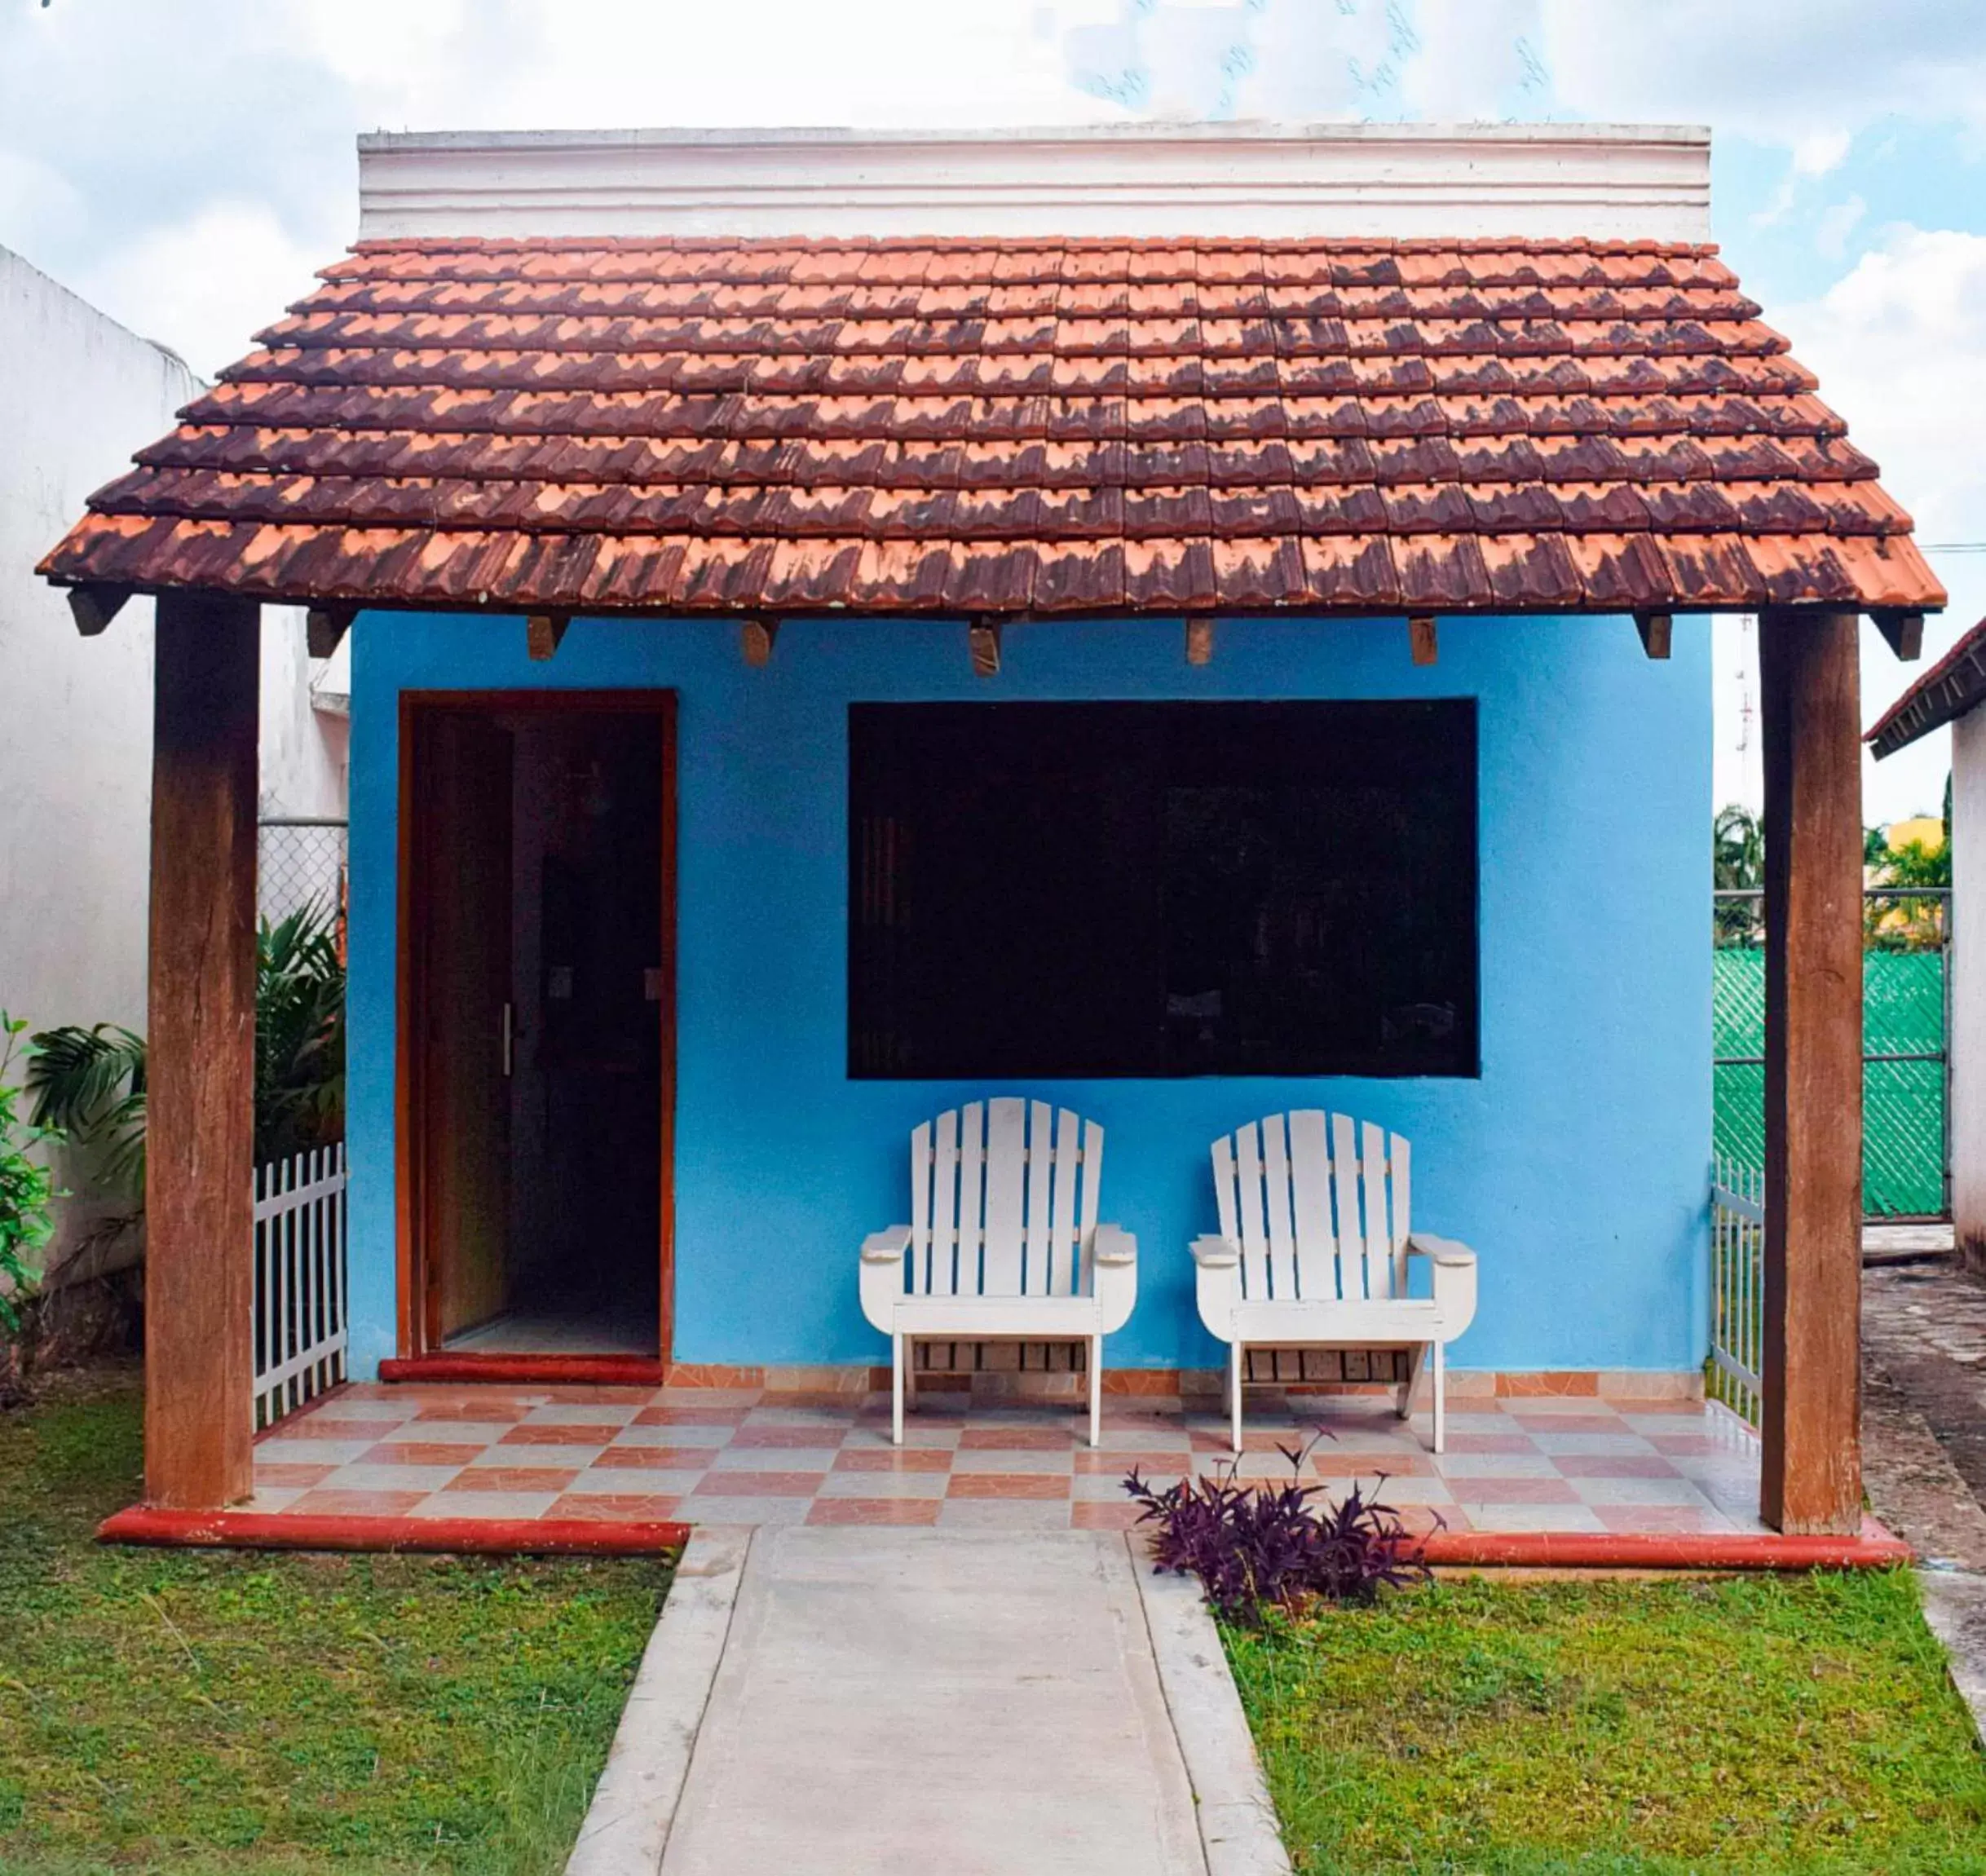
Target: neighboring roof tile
1032,426
1950,689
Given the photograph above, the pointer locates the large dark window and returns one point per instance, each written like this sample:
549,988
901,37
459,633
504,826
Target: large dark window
1049,890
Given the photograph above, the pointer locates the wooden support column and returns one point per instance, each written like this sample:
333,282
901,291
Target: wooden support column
200,1068
1811,1482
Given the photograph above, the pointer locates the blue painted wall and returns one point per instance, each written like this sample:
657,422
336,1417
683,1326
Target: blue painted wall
1576,1165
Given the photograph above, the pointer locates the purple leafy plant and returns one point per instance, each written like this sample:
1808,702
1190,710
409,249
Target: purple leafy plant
1257,1547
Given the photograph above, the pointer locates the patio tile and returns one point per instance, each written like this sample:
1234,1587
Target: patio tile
311,1452
1699,1418
1012,1460
1531,1465
674,1434
1005,1515
1675,1491
1103,1491
918,1431
874,1512
452,1432
362,1476
421,1453
582,1413
485,1479
1398,1493
539,1453
620,1482
1587,1422
894,1459
276,1475
760,1484
1659,1519
1615,1466
707,1508
656,1459
1512,1443
625,1508
1348,1461
1692,1444
809,1436
884,1485
1534,1518
712,1416
1113,1462
1514,1490
324,1426
478,1412
266,1500
1615,1442
342,1504
1175,1439
352,1405
1007,1486
500,1506
1014,1439
772,1459
594,1432
1103,1517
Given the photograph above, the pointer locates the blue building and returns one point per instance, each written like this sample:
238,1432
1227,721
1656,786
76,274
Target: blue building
1187,625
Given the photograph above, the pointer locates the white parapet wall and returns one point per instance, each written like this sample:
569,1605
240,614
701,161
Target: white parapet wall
1138,181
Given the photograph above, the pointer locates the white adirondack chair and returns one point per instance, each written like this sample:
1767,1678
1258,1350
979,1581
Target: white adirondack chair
1314,1248
1003,1243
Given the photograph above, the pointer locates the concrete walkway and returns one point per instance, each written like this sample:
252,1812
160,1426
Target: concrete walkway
886,1700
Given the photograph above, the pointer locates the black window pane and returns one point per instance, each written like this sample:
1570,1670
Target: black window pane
1079,890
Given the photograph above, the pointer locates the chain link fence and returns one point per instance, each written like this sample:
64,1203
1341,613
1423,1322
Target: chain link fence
299,862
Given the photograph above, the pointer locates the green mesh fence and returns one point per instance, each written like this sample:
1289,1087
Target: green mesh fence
1902,1014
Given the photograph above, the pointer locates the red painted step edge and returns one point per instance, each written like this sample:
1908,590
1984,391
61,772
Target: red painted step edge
526,1371
1874,1549
291,1531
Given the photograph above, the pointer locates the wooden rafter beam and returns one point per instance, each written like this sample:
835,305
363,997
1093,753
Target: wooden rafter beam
1658,631
1903,630
325,625
1200,639
756,639
983,640
1422,639
543,631
93,606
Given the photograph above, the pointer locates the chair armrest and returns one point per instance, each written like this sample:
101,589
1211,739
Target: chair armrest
1442,1251
1213,1253
1113,1245
886,1247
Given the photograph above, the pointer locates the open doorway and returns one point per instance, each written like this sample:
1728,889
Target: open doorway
538,934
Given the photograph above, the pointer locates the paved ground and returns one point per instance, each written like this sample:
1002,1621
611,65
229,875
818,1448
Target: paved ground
991,1702
1924,1346
742,1457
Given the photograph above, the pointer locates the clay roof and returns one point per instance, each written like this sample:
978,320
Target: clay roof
1012,427
1944,693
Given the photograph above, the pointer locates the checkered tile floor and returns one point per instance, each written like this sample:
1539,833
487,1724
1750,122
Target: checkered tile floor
707,1455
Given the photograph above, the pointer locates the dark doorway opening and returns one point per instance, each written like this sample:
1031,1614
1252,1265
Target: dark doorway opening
539,938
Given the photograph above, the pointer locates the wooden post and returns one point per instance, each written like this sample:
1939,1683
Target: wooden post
200,1067
1811,1478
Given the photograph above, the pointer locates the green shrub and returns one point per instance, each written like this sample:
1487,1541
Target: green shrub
27,1190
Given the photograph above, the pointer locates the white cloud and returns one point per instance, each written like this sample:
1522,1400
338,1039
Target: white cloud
205,285
1837,222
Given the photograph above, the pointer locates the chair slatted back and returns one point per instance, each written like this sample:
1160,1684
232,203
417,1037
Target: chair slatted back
1319,1205
1004,1200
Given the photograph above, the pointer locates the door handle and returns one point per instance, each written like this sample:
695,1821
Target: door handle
509,1037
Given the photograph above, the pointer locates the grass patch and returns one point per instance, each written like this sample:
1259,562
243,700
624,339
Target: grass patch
1618,1728
209,1711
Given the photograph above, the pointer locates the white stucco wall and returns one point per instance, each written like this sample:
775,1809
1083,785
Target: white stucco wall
1969,984
78,393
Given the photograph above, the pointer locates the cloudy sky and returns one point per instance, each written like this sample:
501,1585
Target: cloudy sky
185,163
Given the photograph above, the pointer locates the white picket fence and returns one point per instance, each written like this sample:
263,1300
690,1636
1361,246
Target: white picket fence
299,1322
1738,1288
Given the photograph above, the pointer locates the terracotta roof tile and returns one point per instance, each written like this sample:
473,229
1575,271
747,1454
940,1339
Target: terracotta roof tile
1026,427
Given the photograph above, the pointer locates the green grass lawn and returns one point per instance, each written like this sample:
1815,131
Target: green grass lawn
1749,1724
203,1711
